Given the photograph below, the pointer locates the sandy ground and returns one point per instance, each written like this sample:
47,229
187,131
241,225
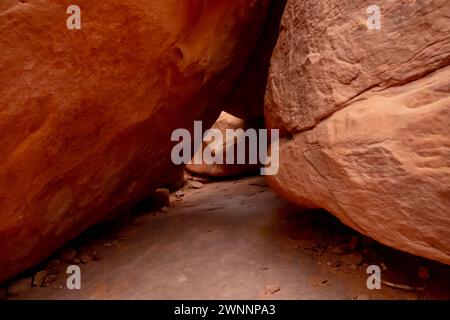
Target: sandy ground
235,240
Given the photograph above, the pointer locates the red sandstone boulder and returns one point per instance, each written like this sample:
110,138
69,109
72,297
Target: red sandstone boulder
86,115
367,117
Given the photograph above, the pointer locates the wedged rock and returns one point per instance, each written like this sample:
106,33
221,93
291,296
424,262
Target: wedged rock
86,115
224,122
368,114
244,106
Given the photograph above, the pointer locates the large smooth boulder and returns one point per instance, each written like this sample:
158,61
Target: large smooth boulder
366,116
86,115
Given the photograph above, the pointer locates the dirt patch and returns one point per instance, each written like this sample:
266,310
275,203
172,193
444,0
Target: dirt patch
232,240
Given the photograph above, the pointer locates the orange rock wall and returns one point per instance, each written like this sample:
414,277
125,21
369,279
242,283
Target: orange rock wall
86,115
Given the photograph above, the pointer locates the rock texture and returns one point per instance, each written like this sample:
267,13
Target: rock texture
224,122
326,57
367,117
86,115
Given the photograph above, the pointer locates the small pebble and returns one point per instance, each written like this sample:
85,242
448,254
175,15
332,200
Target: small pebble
317,281
39,278
179,194
353,258
85,258
161,198
196,185
271,289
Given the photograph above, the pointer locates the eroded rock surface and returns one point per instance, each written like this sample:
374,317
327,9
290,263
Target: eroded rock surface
368,113
86,115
